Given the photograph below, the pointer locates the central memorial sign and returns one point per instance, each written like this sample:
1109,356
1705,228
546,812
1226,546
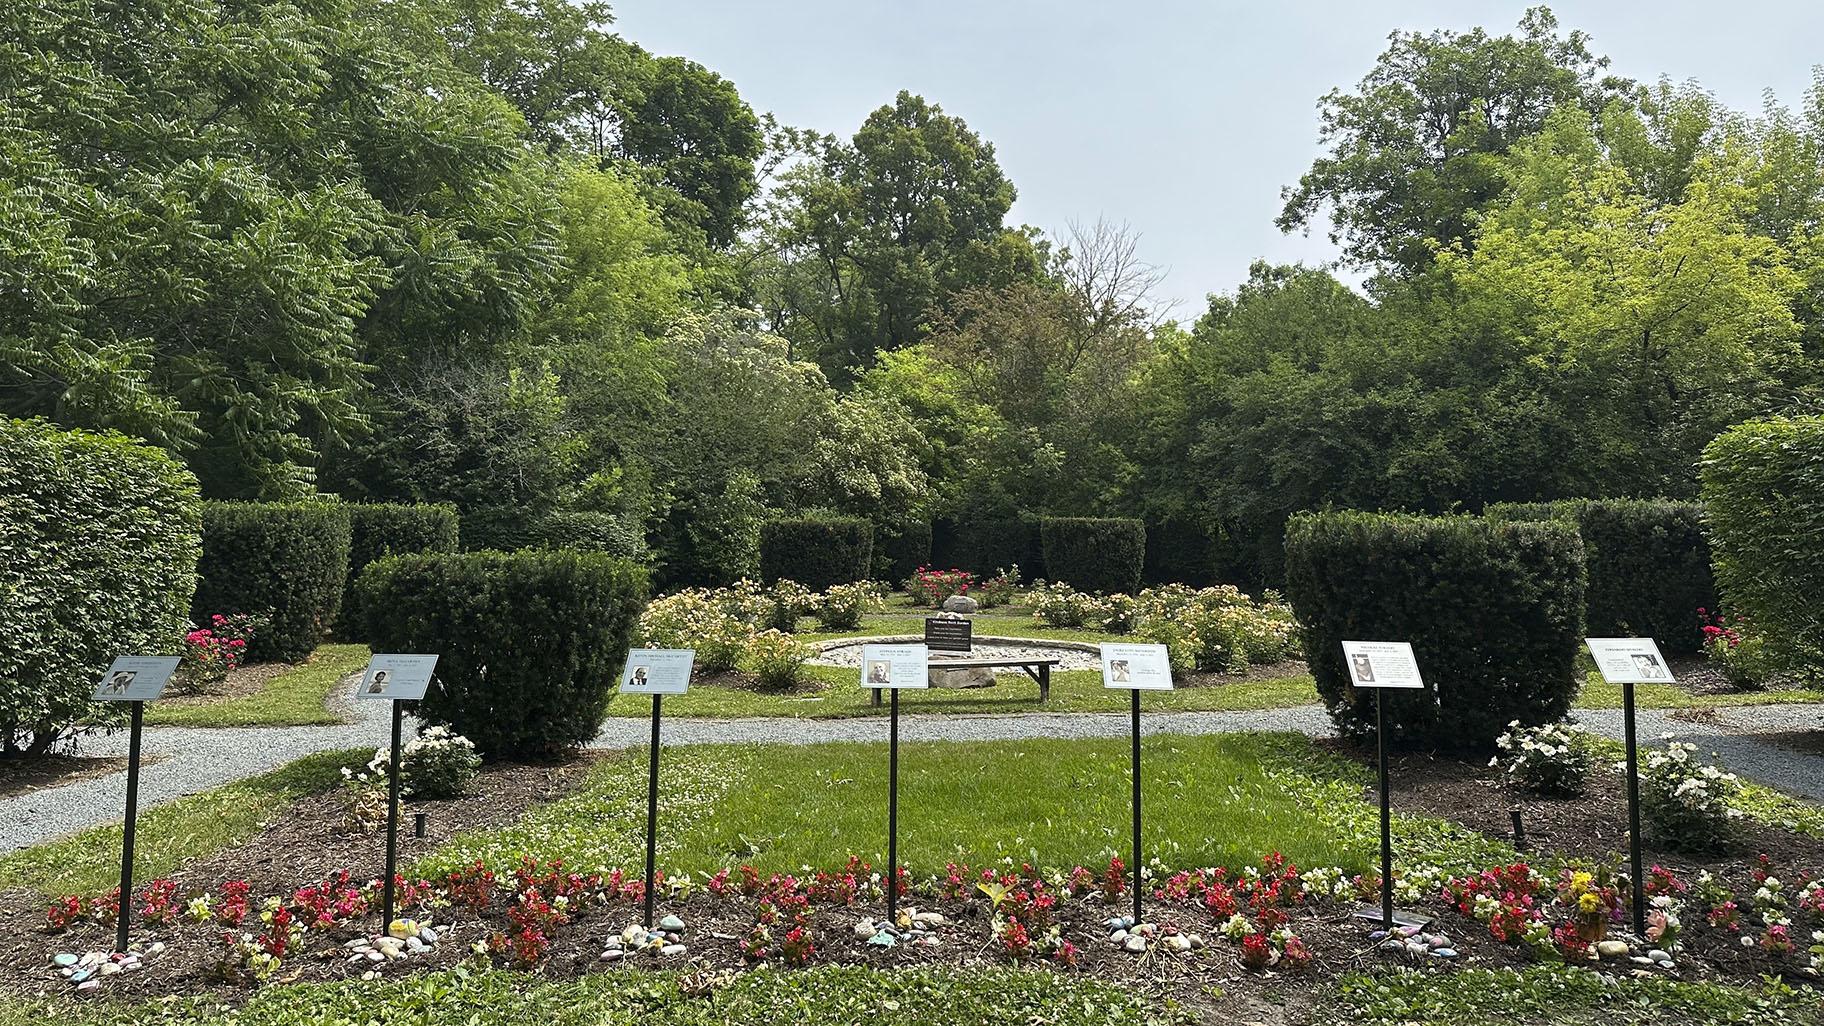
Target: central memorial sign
949,634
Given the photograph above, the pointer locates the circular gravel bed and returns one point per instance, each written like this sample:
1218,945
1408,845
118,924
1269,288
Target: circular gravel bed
1071,655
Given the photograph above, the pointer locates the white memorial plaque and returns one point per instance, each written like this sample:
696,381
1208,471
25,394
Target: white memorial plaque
1629,660
657,671
402,678
135,679
895,666
1382,664
1136,667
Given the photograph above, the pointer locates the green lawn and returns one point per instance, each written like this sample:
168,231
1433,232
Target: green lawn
292,699
190,828
840,695
824,996
1558,995
1600,694
1219,799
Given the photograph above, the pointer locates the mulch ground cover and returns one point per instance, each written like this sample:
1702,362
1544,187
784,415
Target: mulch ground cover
310,842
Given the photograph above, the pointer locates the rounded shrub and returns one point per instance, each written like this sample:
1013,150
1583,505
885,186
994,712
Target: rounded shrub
286,561
1493,611
98,549
1647,562
816,551
528,643
381,529
592,531
1763,491
1102,555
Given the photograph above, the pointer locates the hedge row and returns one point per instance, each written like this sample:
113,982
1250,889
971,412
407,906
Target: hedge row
529,643
1763,489
985,547
98,551
817,552
1648,563
899,553
1099,555
1493,611
381,529
287,561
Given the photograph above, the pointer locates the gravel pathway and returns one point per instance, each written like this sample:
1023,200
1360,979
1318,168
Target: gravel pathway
196,759
192,759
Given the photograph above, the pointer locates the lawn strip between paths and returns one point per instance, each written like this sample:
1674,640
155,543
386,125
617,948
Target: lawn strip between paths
294,698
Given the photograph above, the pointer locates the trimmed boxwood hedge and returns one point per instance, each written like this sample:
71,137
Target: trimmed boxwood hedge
98,550
593,531
528,643
1492,609
988,546
1095,554
287,561
1763,490
816,551
1180,552
1648,563
899,553
381,529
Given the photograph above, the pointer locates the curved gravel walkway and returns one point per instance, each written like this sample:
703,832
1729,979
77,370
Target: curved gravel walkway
196,759
191,759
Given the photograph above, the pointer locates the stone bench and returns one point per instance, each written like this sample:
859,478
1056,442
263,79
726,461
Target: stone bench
1038,668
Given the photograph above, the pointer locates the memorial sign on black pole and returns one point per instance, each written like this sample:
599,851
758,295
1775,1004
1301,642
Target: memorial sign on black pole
1382,665
657,672
1631,661
138,680
892,668
397,679
1136,668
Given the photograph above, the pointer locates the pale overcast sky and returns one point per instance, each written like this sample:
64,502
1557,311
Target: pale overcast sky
1183,119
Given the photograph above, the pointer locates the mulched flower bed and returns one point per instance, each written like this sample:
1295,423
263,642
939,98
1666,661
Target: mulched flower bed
280,909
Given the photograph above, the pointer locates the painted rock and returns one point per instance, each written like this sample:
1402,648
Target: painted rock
89,985
64,960
1612,948
672,950
671,924
428,935
1135,943
1444,952
613,955
864,929
883,939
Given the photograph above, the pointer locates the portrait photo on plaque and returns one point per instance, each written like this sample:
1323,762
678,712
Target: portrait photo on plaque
135,679
400,678
657,671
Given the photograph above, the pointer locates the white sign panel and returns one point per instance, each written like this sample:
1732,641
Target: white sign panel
135,679
657,671
895,666
1382,664
402,678
1629,660
1136,667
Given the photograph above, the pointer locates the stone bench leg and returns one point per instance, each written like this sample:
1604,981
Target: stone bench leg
874,697
1044,684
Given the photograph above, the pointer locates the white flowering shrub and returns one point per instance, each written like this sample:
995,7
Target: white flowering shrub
842,606
789,601
438,763
1552,759
777,659
1691,805
1060,605
699,619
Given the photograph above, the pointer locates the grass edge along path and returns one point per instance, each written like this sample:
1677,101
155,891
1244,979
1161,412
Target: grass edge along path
185,830
1218,799
295,698
820,996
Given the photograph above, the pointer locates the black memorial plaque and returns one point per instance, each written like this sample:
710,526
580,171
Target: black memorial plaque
949,634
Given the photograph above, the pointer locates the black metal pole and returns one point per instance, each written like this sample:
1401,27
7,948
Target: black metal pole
126,840
1637,881
652,810
1136,724
893,811
392,819
1380,737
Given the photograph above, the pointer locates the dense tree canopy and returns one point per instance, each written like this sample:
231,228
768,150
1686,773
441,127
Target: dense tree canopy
490,252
